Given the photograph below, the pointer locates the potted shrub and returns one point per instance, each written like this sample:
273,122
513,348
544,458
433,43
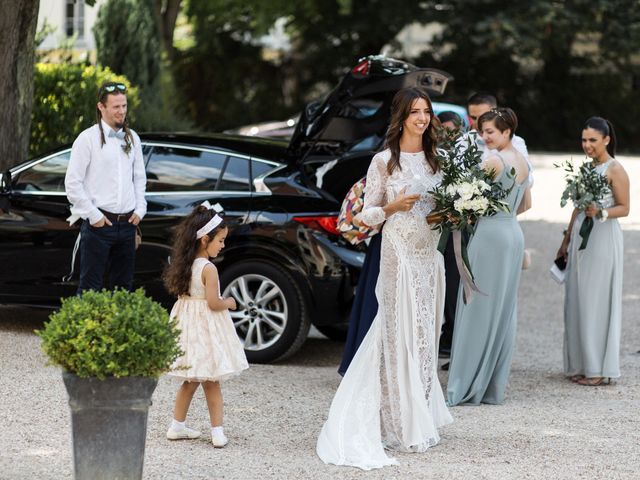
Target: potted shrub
113,346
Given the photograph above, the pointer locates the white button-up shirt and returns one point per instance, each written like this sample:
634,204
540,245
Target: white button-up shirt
104,176
473,135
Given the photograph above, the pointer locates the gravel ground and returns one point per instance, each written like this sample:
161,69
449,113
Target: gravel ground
548,427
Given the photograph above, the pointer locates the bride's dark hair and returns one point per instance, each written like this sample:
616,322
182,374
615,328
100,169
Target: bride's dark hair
400,109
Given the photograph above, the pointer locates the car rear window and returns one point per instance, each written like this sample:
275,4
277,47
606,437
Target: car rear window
183,169
236,176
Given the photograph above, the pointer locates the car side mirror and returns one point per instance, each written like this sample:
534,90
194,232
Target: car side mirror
5,189
312,108
5,182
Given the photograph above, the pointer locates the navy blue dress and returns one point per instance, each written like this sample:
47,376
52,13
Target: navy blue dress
365,304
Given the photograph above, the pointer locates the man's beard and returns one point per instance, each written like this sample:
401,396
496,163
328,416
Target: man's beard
119,125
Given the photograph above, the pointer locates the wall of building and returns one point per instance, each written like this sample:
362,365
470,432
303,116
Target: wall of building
67,16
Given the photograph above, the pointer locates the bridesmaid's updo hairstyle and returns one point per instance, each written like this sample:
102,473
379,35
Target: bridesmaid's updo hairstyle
605,127
177,274
502,118
400,109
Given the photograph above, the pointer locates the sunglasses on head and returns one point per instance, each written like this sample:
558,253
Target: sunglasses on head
112,87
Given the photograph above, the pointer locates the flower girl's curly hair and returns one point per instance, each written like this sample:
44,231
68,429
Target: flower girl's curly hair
177,274
400,109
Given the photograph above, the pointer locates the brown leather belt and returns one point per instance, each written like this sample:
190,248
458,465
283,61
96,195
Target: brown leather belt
117,217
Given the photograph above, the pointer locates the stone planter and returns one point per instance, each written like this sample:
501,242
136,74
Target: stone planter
109,425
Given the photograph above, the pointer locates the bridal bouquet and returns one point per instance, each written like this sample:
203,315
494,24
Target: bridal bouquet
584,186
467,192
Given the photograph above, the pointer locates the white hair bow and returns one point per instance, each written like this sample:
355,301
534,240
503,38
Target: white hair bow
214,222
217,207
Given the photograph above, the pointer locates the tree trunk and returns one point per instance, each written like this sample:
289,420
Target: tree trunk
166,16
17,55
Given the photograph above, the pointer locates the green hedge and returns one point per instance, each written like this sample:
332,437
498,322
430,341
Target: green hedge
64,102
111,334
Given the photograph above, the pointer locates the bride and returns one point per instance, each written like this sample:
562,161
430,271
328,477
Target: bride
390,397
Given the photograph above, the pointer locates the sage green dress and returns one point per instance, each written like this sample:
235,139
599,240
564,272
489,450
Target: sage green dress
593,297
485,329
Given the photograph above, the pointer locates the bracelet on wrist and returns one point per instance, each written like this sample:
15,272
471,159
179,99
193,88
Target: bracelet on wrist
603,214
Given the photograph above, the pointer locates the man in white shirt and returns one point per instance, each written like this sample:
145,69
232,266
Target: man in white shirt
105,184
477,105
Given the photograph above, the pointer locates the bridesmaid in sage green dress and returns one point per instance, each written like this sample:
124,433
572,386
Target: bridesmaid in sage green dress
593,291
484,336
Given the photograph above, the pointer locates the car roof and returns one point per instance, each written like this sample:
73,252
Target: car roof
267,148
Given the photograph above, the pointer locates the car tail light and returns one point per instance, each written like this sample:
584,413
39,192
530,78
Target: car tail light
328,223
362,68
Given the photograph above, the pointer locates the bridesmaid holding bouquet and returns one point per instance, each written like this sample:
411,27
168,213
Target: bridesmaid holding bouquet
593,291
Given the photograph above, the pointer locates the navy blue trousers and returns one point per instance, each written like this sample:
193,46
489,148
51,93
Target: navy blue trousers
107,256
451,297
365,303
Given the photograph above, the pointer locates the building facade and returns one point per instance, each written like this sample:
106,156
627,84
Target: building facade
70,20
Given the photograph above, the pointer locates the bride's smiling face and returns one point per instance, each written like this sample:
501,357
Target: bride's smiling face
418,119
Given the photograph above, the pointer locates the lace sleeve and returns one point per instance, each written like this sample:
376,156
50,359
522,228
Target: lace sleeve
374,193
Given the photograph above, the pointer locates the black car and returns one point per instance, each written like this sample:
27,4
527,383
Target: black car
284,261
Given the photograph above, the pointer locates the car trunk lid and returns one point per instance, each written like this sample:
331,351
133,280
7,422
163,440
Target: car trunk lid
357,111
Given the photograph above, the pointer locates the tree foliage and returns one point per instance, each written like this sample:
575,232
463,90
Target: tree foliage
227,78
127,40
130,38
65,97
555,62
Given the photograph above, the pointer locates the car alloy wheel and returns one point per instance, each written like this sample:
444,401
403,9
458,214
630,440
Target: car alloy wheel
271,318
262,312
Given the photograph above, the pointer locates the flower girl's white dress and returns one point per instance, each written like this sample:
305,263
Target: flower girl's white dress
212,349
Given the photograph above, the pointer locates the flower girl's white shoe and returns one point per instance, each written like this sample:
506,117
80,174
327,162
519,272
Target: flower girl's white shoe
219,440
185,433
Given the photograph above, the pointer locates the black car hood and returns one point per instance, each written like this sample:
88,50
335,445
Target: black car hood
359,107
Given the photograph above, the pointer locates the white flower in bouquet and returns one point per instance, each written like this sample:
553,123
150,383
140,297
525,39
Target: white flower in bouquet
466,194
476,205
466,191
480,205
460,205
484,186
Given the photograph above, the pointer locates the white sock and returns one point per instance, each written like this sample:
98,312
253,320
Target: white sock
176,425
217,431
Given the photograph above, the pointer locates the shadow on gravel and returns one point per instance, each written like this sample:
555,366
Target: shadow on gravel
22,320
317,352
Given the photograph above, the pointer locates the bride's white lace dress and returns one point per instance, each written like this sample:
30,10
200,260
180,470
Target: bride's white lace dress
390,397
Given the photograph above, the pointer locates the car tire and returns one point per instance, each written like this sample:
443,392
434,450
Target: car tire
270,329
334,332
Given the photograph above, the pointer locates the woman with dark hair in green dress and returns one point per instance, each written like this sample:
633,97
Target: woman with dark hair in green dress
593,291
